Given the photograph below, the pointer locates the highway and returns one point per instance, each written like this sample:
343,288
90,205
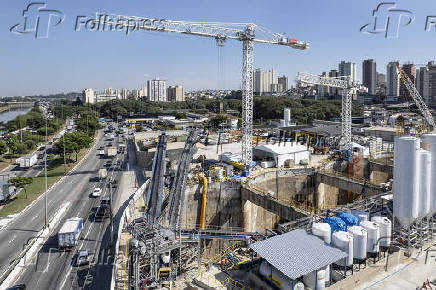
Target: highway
53,269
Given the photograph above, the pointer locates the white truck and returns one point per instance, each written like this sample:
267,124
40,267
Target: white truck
27,161
69,233
6,191
111,151
101,151
102,173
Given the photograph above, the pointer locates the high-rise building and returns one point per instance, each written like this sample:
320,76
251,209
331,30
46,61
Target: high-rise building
381,80
266,82
88,96
124,94
283,80
369,75
323,90
410,70
157,90
334,73
392,82
348,69
426,83
176,94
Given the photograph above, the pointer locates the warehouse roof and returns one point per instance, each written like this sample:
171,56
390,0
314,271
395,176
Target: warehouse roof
283,148
297,253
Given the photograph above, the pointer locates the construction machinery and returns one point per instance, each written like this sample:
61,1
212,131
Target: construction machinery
348,88
248,33
417,99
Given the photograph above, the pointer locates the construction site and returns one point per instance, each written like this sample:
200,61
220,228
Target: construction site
289,208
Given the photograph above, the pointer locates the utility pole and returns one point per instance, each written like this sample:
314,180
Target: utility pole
63,141
45,172
111,213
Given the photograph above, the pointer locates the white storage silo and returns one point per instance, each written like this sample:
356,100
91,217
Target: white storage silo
385,230
373,233
424,182
406,179
323,231
429,143
282,123
287,116
320,279
344,241
360,241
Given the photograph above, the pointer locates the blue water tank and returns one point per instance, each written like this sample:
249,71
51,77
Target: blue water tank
336,224
349,219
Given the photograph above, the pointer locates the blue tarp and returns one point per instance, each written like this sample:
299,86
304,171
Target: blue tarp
336,224
348,218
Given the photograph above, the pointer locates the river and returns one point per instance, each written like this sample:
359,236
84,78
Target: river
13,113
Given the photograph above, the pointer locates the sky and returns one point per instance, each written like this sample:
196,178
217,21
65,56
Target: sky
69,60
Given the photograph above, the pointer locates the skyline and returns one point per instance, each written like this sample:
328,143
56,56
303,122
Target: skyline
75,60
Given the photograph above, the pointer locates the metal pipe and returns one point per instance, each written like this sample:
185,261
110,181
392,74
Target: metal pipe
203,203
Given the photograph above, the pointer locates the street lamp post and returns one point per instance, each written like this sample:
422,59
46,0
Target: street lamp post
45,172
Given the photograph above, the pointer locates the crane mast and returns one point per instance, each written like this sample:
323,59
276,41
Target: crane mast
348,89
422,107
248,33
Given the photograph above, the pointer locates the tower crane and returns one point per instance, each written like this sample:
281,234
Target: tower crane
248,33
348,89
413,92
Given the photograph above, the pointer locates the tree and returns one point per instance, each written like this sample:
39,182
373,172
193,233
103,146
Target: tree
139,128
218,120
21,182
3,147
12,143
74,142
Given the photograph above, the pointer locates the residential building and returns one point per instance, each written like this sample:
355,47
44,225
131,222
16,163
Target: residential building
334,73
381,79
348,69
283,80
176,94
88,96
410,70
369,75
392,82
157,90
266,82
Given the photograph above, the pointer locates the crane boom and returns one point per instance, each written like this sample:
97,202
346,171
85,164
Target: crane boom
348,88
248,33
416,97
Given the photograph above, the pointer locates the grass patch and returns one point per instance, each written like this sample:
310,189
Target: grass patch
55,171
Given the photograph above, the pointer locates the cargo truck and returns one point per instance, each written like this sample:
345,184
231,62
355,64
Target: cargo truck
102,173
27,161
6,191
69,233
111,151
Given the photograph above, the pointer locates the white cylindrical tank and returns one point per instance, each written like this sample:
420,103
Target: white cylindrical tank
323,231
429,143
320,279
385,230
278,279
287,116
219,173
344,241
361,215
360,241
165,257
406,179
282,123
424,158
373,234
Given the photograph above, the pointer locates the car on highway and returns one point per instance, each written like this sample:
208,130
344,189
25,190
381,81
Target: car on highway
18,287
108,164
83,257
96,192
105,200
103,212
